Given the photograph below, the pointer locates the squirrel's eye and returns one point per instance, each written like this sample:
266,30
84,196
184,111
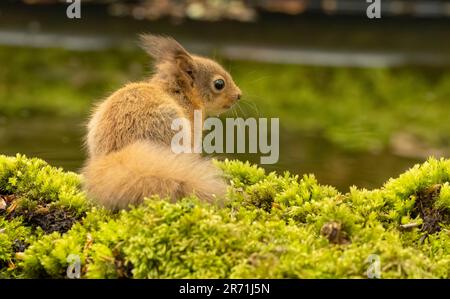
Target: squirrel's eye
219,84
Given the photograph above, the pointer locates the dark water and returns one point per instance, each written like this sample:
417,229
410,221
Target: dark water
59,142
309,39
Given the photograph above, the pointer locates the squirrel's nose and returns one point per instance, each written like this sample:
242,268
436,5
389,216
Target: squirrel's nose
238,96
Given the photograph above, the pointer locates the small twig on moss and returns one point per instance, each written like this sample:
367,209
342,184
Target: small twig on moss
409,225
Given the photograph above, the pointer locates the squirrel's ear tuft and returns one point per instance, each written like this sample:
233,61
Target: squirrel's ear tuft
161,47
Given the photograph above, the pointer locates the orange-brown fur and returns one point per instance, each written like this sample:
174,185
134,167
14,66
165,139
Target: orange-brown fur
129,134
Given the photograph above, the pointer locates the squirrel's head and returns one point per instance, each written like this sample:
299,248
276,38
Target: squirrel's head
205,77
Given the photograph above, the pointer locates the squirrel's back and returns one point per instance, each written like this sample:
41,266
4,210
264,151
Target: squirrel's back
137,111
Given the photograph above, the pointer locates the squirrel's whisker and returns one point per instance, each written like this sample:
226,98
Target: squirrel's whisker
252,106
242,111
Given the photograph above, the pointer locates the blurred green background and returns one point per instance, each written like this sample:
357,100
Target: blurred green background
359,100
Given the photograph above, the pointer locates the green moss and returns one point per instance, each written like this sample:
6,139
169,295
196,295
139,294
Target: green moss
272,226
443,201
37,199
37,181
14,237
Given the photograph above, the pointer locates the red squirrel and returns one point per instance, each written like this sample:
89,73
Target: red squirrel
129,133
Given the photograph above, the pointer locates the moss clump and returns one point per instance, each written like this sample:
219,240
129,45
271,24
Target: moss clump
35,199
272,226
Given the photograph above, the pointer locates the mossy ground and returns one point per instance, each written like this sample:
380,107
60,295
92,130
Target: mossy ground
272,226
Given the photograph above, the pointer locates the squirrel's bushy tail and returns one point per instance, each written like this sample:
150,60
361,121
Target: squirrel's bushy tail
143,169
